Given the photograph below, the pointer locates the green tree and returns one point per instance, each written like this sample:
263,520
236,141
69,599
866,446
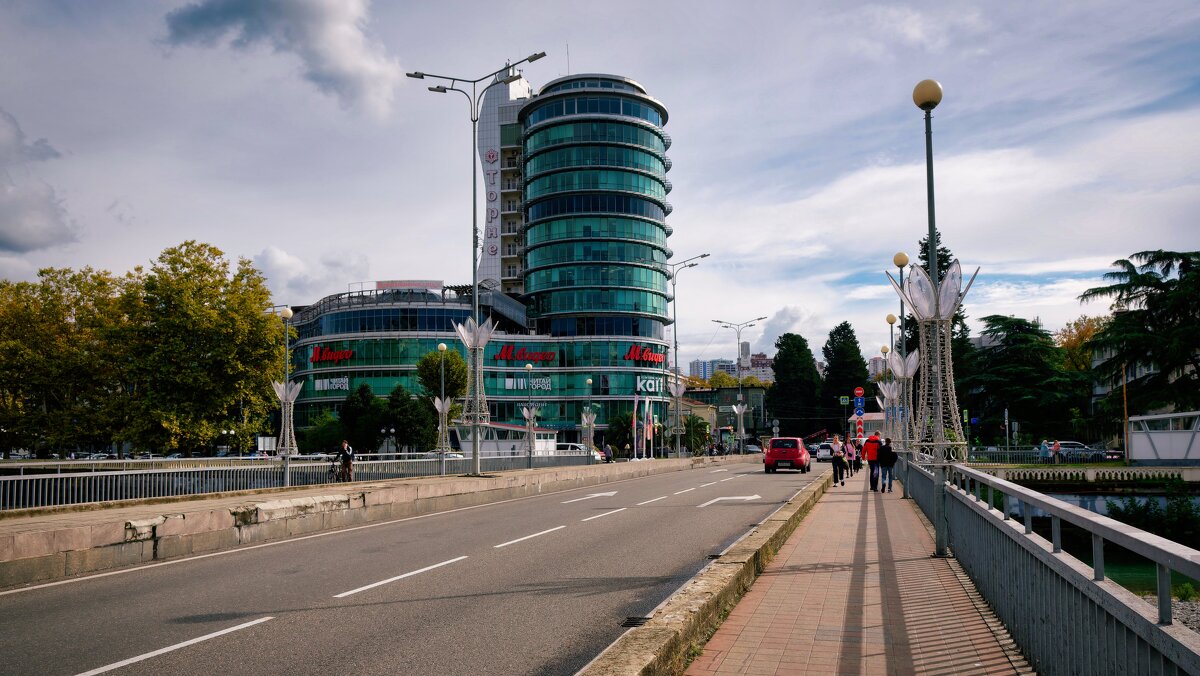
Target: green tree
414,419
1023,370
695,434
795,399
429,374
620,433
363,415
722,379
845,369
201,349
1154,323
325,434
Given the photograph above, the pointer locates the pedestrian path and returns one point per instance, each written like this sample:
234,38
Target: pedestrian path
855,591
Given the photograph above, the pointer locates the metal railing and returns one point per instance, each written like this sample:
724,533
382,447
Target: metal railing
100,485
1026,455
1066,616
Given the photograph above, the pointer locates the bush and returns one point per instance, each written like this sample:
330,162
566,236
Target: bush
1185,592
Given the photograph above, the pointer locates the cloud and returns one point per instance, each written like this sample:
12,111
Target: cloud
32,215
294,280
790,319
327,35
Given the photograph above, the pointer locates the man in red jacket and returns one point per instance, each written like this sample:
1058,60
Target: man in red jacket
870,451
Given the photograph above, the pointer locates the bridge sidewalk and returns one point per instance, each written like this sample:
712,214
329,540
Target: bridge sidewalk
855,591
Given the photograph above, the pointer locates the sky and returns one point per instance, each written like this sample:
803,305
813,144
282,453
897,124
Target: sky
285,132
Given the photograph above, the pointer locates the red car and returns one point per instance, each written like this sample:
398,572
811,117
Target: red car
786,452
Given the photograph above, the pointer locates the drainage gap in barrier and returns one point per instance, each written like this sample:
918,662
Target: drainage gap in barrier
713,556
635,621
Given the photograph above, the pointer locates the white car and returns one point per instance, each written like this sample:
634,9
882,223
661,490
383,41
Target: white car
824,453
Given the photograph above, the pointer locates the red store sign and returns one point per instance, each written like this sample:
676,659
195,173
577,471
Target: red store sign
636,353
509,352
324,354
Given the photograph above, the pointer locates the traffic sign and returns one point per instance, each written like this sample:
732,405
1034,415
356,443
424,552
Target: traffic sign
858,412
845,401
775,430
860,402
858,392
974,421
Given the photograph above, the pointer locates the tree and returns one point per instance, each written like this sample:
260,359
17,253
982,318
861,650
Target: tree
201,350
1075,340
1022,371
795,399
695,434
845,369
325,434
1155,322
429,374
721,379
620,434
752,381
363,415
414,419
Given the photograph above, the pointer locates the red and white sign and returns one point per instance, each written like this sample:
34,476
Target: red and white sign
510,352
858,392
323,354
637,353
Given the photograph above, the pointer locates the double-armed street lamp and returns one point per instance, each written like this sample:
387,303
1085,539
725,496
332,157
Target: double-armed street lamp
673,270
474,98
737,329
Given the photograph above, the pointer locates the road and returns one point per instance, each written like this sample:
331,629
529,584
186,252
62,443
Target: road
537,585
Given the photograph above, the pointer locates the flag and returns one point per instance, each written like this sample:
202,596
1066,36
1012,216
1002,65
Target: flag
633,431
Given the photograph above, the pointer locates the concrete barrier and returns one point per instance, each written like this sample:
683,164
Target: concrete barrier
51,545
686,620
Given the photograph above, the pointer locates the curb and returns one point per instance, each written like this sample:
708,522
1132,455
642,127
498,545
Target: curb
689,617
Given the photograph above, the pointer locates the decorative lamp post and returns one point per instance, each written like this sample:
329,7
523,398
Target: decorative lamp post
287,392
588,421
389,433
674,269
530,412
475,411
737,328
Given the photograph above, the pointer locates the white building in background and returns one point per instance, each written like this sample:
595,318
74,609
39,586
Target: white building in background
876,367
761,367
501,186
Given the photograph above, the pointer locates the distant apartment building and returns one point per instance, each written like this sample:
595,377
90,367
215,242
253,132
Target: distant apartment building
875,367
761,366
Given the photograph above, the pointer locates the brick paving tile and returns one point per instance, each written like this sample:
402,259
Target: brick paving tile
854,591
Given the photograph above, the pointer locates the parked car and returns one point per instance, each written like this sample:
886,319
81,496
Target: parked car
824,452
786,452
753,448
1074,451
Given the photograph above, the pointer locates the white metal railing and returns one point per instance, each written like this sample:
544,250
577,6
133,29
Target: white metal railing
65,484
1065,614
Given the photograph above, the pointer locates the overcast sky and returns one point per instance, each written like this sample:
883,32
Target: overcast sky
285,132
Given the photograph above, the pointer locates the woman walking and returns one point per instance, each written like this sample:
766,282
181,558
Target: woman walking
839,464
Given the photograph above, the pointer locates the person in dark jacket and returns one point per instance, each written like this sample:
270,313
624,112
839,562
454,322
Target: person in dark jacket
887,465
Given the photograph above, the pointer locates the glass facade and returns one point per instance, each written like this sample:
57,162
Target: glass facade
592,186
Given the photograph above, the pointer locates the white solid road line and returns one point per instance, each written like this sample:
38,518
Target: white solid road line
729,479
398,577
513,542
604,514
177,646
684,491
649,501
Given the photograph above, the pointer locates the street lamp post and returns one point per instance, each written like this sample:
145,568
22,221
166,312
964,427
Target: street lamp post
927,95
286,400
529,413
674,269
474,98
900,260
737,329
886,416
389,433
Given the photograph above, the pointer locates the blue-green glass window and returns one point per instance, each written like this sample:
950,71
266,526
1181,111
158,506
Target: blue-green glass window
599,300
598,227
594,132
595,275
583,204
595,179
595,252
598,104
594,156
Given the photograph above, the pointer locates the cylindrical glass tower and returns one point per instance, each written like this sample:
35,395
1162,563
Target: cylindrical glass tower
594,154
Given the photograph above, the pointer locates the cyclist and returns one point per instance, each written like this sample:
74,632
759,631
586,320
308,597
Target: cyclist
346,456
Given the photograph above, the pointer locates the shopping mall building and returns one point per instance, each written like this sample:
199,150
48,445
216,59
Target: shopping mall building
571,269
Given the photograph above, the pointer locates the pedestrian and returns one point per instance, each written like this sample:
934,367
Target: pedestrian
1044,451
870,449
887,465
839,465
608,452
1056,451
346,456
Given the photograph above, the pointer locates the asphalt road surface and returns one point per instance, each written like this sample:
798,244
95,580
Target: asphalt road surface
537,585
